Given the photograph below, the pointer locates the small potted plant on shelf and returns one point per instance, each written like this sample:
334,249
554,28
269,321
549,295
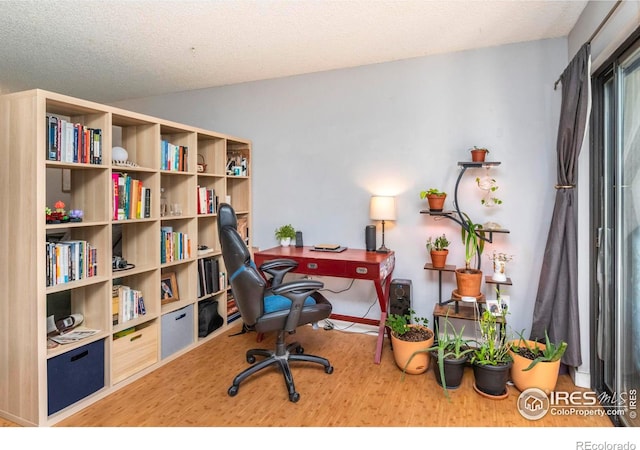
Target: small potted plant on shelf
408,334
438,248
491,360
478,154
535,364
284,234
469,280
435,198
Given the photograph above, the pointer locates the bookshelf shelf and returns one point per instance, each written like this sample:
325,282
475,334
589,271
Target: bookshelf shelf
36,176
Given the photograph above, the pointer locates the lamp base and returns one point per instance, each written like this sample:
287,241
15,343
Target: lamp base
383,249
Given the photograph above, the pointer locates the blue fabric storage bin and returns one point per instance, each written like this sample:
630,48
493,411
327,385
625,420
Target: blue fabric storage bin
74,375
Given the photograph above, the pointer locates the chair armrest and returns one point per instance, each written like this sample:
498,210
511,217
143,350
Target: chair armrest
278,268
296,291
304,287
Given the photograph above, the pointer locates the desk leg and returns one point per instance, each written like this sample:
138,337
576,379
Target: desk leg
383,299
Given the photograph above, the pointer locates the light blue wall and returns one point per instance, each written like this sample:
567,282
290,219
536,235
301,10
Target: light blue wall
323,143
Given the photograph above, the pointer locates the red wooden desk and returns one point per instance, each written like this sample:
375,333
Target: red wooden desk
351,263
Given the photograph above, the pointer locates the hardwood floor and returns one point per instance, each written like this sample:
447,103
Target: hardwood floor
191,391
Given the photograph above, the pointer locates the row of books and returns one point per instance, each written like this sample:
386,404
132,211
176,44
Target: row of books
70,261
207,200
174,245
131,199
173,157
73,142
233,313
210,279
127,304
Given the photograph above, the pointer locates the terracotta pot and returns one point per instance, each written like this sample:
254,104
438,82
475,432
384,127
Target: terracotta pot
478,155
402,351
436,202
544,375
469,282
439,258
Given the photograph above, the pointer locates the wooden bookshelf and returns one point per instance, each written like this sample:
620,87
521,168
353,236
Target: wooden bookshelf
33,179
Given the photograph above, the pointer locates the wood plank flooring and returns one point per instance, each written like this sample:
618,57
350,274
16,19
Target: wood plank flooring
191,391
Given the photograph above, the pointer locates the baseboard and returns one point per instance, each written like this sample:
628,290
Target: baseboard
580,379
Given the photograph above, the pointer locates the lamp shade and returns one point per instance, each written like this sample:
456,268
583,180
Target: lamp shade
382,208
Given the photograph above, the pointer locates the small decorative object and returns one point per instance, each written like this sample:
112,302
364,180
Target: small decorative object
120,157
435,198
57,216
169,288
284,234
75,215
202,164
478,154
490,186
119,154
500,265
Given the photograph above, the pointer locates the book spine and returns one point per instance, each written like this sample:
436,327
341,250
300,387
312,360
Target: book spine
116,201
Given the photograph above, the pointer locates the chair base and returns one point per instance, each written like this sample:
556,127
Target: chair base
281,356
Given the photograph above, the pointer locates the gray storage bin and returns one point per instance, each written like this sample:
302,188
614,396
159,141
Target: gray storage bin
177,331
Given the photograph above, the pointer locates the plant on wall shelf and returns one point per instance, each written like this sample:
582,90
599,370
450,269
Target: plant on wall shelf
435,197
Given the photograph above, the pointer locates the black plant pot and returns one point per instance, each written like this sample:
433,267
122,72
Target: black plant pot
453,371
492,380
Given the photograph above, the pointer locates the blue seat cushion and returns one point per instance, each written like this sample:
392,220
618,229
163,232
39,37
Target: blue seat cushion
274,303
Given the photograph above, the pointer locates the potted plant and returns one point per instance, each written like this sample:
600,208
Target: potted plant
491,360
478,154
284,234
535,364
438,248
435,198
469,280
408,334
450,354
500,265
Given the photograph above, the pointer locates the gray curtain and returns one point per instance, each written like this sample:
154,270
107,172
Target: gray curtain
556,307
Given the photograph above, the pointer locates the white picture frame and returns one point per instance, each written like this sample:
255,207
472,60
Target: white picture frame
493,306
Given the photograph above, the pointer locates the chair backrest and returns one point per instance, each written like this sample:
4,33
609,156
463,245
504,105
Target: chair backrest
247,284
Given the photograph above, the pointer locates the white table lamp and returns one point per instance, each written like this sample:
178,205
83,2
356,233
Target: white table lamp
382,208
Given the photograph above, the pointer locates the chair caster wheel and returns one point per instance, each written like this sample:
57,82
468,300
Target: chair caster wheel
233,390
328,370
299,350
294,397
251,359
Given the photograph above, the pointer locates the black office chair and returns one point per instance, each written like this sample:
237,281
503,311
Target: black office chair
276,306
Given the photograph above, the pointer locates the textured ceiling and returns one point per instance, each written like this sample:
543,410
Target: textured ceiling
112,50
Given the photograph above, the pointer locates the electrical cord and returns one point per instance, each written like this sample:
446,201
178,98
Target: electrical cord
340,291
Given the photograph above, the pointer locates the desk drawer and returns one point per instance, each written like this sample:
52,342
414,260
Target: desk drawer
322,267
134,352
362,270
